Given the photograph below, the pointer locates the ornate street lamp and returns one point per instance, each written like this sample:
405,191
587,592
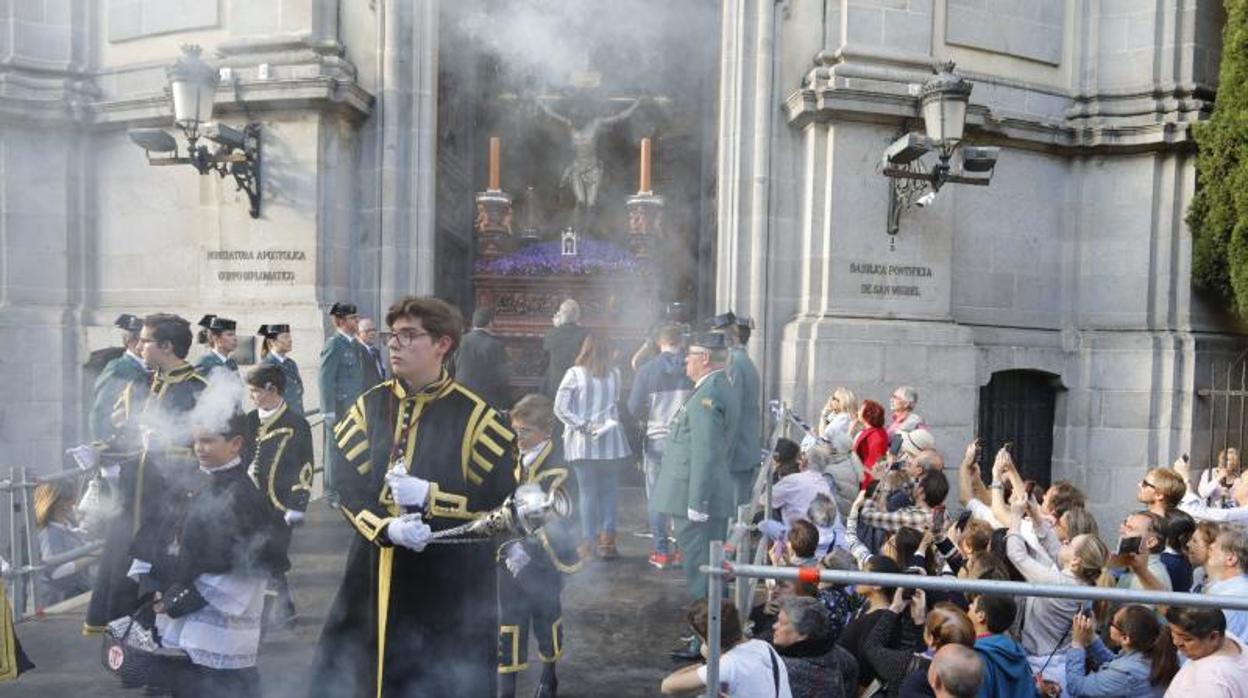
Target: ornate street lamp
193,88
943,99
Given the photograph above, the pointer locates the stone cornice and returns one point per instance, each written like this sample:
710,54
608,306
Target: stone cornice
872,85
305,72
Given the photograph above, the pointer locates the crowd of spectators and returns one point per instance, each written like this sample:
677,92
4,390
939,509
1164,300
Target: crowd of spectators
868,490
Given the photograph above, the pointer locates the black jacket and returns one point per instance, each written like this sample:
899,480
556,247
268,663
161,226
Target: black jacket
481,366
562,344
820,668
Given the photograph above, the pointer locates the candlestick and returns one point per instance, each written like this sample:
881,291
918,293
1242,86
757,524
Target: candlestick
645,165
495,147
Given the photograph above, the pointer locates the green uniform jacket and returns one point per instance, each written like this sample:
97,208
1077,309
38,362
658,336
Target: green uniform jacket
746,431
119,393
209,361
694,473
341,376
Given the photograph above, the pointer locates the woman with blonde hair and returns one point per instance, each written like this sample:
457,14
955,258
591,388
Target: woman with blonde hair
594,443
1084,560
839,414
58,533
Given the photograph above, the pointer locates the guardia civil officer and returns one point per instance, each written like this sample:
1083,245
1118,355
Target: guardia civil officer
121,387
275,349
341,381
220,336
743,376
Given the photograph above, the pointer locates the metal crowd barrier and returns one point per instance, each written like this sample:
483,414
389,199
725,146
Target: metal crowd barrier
720,569
24,542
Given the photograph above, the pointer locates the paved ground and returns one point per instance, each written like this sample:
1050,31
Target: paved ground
620,617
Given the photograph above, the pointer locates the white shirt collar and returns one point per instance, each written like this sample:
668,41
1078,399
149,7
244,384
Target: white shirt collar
278,356
232,464
265,414
703,378
137,359
221,356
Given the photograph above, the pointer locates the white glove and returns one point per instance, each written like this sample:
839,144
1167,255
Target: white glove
138,568
516,559
410,532
293,518
408,491
697,516
85,456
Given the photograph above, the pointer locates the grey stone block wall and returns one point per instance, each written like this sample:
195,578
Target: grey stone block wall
135,19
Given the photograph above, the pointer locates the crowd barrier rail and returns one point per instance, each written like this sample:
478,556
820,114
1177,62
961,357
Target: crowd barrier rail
719,570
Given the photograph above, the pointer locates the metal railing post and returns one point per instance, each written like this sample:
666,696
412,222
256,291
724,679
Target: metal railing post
742,587
714,600
17,476
32,540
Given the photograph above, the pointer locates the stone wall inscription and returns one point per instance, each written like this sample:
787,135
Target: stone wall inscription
256,266
875,280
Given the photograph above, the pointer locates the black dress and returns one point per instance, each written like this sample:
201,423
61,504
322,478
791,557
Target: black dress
429,620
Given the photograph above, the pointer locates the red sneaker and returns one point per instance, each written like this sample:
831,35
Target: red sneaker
660,561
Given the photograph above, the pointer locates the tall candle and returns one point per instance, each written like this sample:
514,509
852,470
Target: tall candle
645,165
495,146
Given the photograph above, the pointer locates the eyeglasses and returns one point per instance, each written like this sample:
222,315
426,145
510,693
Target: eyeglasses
403,337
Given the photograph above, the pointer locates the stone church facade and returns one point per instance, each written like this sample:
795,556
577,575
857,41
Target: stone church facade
1057,299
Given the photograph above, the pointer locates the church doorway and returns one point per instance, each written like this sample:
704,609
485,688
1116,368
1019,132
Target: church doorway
1017,407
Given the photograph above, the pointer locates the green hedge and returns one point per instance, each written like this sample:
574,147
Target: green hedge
1218,216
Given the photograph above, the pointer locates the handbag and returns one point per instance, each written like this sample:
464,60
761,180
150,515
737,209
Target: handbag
133,653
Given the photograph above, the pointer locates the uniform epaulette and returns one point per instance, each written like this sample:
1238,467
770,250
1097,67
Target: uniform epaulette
486,442
351,434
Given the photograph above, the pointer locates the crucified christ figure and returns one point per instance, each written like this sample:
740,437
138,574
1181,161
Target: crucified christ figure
584,173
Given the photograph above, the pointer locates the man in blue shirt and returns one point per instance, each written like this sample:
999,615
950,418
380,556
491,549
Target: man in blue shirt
1227,572
1006,671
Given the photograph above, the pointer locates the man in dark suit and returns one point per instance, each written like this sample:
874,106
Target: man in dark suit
481,362
562,344
374,366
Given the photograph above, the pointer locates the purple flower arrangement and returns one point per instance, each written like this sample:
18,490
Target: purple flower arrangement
546,259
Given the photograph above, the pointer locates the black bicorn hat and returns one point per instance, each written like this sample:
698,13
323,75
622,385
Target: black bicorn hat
272,331
343,309
706,340
129,323
216,323
722,320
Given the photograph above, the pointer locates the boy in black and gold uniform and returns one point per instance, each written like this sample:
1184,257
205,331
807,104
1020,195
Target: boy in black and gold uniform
530,578
278,454
424,454
164,467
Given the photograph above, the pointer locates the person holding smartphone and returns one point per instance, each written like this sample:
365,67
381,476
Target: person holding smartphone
1138,553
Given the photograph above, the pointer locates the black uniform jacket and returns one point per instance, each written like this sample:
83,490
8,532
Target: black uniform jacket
279,457
554,545
428,620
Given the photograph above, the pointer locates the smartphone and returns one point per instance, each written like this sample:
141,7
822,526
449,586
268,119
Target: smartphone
938,519
963,519
1129,546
